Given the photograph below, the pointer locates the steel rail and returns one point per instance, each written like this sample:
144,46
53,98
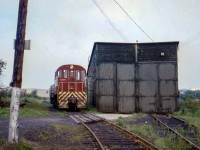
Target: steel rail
174,131
134,137
179,119
93,134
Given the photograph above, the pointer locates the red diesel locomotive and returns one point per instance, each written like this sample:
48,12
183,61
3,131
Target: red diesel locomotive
68,90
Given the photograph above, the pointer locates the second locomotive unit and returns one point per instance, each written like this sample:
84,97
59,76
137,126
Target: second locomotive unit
68,90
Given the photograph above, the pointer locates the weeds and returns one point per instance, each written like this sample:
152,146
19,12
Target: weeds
120,122
22,145
33,108
91,110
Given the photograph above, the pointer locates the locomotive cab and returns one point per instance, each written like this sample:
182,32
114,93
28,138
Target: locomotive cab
70,87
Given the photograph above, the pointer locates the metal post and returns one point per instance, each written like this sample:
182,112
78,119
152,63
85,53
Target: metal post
17,71
136,53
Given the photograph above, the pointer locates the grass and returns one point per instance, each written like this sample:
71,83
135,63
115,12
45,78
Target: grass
33,108
21,145
68,128
190,112
4,112
91,110
150,133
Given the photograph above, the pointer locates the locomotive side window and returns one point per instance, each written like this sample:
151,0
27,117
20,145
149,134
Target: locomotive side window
60,73
71,73
82,75
65,73
77,75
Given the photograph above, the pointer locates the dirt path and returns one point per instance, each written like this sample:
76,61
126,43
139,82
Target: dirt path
53,132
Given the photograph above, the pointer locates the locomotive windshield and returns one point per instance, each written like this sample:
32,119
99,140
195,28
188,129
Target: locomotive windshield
77,75
65,73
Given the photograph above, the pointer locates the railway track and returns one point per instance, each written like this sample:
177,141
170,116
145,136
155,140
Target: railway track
180,128
109,136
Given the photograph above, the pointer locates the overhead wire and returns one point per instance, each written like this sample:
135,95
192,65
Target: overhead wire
133,20
184,44
110,21
190,40
137,25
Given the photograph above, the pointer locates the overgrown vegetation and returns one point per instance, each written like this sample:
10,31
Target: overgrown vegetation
22,145
190,112
34,107
150,132
91,110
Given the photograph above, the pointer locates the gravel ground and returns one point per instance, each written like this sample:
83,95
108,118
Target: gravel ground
26,124
49,133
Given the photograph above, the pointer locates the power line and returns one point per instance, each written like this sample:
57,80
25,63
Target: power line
109,20
190,40
137,25
133,21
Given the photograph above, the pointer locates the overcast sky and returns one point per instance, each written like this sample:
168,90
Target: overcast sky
64,31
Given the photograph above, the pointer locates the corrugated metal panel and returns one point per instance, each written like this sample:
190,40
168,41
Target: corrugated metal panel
167,88
147,104
105,87
168,104
126,88
89,91
106,103
147,88
126,104
126,71
167,71
105,71
147,71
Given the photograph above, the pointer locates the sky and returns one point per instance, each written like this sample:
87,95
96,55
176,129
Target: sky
64,31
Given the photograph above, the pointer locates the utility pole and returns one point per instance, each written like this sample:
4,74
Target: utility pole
17,71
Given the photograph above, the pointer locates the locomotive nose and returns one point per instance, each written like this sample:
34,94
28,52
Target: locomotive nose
72,87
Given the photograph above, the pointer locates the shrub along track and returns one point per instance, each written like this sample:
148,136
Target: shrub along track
180,128
110,136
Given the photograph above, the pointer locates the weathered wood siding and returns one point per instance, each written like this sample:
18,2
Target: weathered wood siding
152,52
116,53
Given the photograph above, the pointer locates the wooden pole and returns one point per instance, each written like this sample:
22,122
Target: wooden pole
14,112
17,72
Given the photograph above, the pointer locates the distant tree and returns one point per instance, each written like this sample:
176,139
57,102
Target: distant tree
2,65
189,95
34,93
